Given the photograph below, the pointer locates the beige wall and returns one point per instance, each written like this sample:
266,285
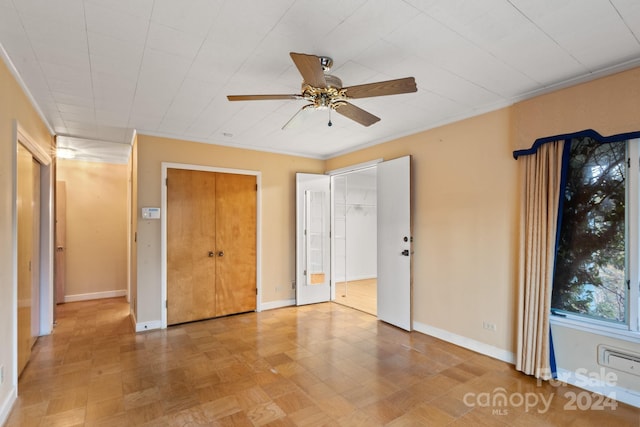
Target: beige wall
278,212
465,203
577,349
96,252
14,105
608,105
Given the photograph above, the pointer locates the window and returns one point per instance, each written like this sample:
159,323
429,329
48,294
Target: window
591,276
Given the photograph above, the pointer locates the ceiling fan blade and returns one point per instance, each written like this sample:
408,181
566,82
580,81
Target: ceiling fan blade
310,69
356,113
261,97
299,117
389,87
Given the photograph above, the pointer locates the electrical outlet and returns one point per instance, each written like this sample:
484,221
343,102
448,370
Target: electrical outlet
489,326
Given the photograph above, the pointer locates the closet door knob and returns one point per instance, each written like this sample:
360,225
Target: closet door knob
220,253
211,254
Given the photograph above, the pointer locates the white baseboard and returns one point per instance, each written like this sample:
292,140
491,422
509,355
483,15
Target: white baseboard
624,395
148,326
144,326
7,405
477,346
95,295
277,304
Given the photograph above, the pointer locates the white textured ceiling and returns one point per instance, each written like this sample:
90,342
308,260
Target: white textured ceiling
100,69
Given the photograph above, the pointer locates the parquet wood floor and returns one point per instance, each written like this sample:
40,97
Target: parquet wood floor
318,365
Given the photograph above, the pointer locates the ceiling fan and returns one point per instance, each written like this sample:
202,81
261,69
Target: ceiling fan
325,91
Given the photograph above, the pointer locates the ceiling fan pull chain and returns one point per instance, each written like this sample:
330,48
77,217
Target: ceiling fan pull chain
330,124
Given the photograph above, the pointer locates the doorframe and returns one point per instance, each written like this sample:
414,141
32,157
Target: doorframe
20,136
305,292
163,227
332,174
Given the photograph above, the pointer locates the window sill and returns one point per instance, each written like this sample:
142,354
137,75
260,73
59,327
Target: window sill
581,325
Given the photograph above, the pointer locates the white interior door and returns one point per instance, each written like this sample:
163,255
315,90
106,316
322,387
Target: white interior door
394,242
313,261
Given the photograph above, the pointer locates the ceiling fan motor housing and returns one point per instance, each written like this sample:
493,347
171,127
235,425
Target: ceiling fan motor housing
333,82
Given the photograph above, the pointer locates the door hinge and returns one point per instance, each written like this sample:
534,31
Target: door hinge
166,303
629,162
305,273
166,182
256,291
256,187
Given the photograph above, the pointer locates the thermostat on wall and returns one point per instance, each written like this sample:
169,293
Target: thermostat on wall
151,213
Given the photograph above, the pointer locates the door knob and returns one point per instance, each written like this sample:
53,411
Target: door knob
220,253
405,252
211,254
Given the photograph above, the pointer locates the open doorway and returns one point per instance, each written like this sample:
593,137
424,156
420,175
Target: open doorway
355,239
361,215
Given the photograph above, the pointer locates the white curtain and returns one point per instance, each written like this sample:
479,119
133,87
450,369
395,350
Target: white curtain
539,214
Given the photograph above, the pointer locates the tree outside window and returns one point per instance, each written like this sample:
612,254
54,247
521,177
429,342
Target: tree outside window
589,277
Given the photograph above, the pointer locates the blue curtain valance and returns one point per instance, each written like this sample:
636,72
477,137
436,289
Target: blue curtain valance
581,134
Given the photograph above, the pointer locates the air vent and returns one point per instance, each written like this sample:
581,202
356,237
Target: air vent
619,359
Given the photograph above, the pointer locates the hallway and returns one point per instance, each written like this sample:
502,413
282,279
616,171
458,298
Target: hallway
316,365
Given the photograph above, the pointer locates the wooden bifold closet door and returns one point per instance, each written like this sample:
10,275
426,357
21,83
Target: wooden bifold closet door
211,244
